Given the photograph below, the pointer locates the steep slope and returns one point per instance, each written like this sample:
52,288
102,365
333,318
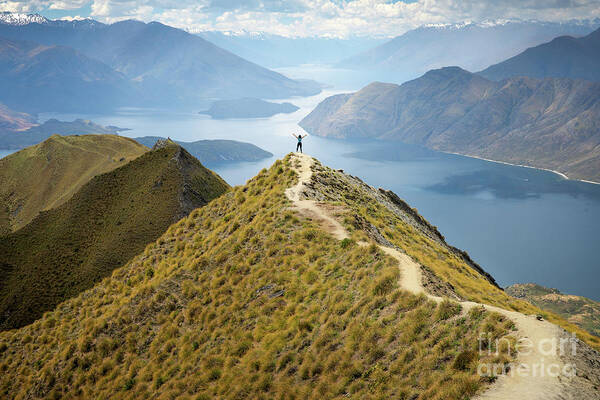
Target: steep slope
46,175
550,123
563,57
38,78
470,46
109,220
170,66
415,276
251,297
213,152
578,310
36,133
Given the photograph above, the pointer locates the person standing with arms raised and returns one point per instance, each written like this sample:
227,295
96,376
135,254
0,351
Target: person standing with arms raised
299,137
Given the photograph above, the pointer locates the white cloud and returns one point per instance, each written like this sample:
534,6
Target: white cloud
318,17
67,5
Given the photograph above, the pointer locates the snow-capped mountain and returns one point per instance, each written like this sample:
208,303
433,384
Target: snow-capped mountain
471,45
10,18
20,19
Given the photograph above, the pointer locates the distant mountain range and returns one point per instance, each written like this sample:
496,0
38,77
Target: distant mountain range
15,121
10,18
563,57
153,64
278,51
470,46
110,219
46,175
37,78
248,107
214,152
549,123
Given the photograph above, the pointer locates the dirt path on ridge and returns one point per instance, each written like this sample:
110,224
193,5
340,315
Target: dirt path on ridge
507,387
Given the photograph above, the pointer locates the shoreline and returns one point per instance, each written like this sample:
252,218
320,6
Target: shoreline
564,176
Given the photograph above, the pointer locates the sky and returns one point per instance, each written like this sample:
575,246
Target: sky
331,18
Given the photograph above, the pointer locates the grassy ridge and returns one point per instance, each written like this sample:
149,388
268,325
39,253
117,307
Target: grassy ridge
244,299
465,281
46,175
109,220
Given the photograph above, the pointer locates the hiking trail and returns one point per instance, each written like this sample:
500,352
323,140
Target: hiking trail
507,387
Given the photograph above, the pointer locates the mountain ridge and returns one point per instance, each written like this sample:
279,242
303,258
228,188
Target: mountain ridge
470,46
39,78
110,219
563,57
549,123
252,286
46,175
164,66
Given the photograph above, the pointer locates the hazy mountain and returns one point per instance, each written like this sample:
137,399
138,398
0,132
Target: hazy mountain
11,139
550,123
578,310
112,218
169,66
213,152
46,175
470,46
247,298
279,51
563,57
38,77
248,107
14,121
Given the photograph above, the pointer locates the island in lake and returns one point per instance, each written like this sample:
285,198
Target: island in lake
247,107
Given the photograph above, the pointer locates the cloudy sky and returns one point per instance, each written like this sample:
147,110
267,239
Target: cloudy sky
339,18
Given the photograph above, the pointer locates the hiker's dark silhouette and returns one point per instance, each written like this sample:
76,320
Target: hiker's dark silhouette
299,137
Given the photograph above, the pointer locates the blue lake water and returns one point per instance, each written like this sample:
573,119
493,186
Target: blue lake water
520,224
4,153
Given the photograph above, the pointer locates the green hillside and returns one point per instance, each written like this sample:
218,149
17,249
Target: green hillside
46,175
247,299
109,220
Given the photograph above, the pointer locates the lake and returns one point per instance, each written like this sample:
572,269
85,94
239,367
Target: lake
520,224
